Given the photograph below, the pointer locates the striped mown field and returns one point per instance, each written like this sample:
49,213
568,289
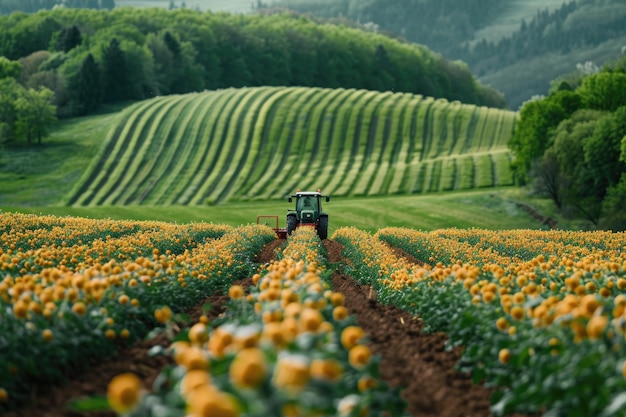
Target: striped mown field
264,142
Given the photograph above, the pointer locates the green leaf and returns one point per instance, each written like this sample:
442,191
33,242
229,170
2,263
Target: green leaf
618,404
85,404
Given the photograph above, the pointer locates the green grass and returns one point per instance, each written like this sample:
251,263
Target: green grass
43,174
314,143
488,209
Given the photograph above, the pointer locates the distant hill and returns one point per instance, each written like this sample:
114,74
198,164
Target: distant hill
32,6
516,47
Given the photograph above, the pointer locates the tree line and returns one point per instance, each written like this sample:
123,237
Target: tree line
91,57
571,146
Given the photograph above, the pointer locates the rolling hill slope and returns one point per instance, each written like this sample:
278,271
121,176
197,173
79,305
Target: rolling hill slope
264,142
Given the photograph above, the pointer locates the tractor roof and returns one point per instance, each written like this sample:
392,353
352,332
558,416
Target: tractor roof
300,193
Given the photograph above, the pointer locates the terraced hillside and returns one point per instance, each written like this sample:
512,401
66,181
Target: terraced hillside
264,142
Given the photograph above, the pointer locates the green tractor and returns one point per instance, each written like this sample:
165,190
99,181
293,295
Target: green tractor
308,213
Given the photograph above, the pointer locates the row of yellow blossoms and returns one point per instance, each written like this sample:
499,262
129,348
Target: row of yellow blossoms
549,328
33,243
78,311
286,348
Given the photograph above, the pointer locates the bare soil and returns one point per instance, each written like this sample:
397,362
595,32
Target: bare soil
415,361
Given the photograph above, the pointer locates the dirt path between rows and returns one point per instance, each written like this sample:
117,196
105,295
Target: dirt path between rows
411,359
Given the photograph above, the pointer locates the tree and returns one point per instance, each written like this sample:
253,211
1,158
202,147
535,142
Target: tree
114,72
380,78
604,91
68,39
86,87
9,69
163,61
31,63
10,90
602,151
35,113
575,174
54,82
533,133
547,177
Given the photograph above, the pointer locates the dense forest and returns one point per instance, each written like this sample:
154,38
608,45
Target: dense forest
571,146
90,57
449,27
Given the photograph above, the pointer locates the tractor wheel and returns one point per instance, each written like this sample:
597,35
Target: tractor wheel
322,228
291,224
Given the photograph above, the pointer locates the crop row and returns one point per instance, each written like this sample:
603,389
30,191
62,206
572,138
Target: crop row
78,302
547,329
262,142
285,346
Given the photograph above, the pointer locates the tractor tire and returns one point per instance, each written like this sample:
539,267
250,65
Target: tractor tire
291,224
322,228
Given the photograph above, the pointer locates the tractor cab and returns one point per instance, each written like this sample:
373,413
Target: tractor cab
307,208
308,212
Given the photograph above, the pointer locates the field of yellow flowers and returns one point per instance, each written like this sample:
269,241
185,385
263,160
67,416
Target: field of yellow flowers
286,346
72,290
540,316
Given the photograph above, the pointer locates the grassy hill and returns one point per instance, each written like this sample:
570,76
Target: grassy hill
39,179
262,143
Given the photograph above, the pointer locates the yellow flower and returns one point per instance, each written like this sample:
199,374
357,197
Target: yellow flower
236,292
340,313
502,324
272,332
198,334
219,341
20,309
359,356
292,373
194,379
248,369
310,320
124,392
366,382
327,369
504,356
79,308
596,326
337,299
4,395
351,335
163,315
193,358
206,401
517,312
47,335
